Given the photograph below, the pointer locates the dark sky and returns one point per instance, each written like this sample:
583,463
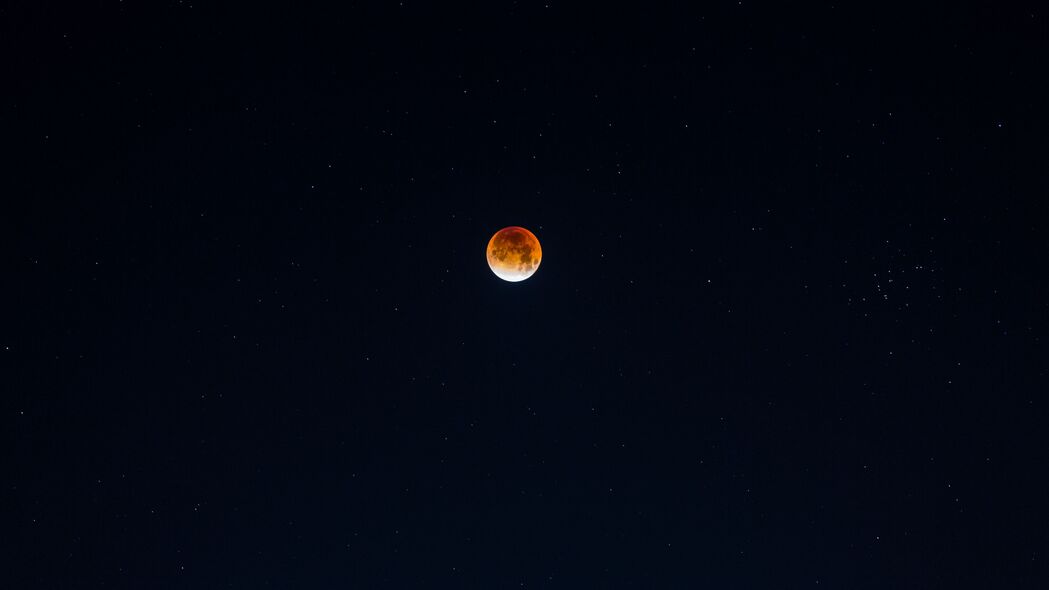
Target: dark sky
788,331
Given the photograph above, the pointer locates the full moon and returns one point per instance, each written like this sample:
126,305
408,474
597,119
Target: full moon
514,254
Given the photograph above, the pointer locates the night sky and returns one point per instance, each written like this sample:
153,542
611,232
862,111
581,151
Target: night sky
789,329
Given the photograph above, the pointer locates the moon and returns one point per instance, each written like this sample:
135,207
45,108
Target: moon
514,254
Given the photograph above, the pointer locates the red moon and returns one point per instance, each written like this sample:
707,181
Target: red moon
514,254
